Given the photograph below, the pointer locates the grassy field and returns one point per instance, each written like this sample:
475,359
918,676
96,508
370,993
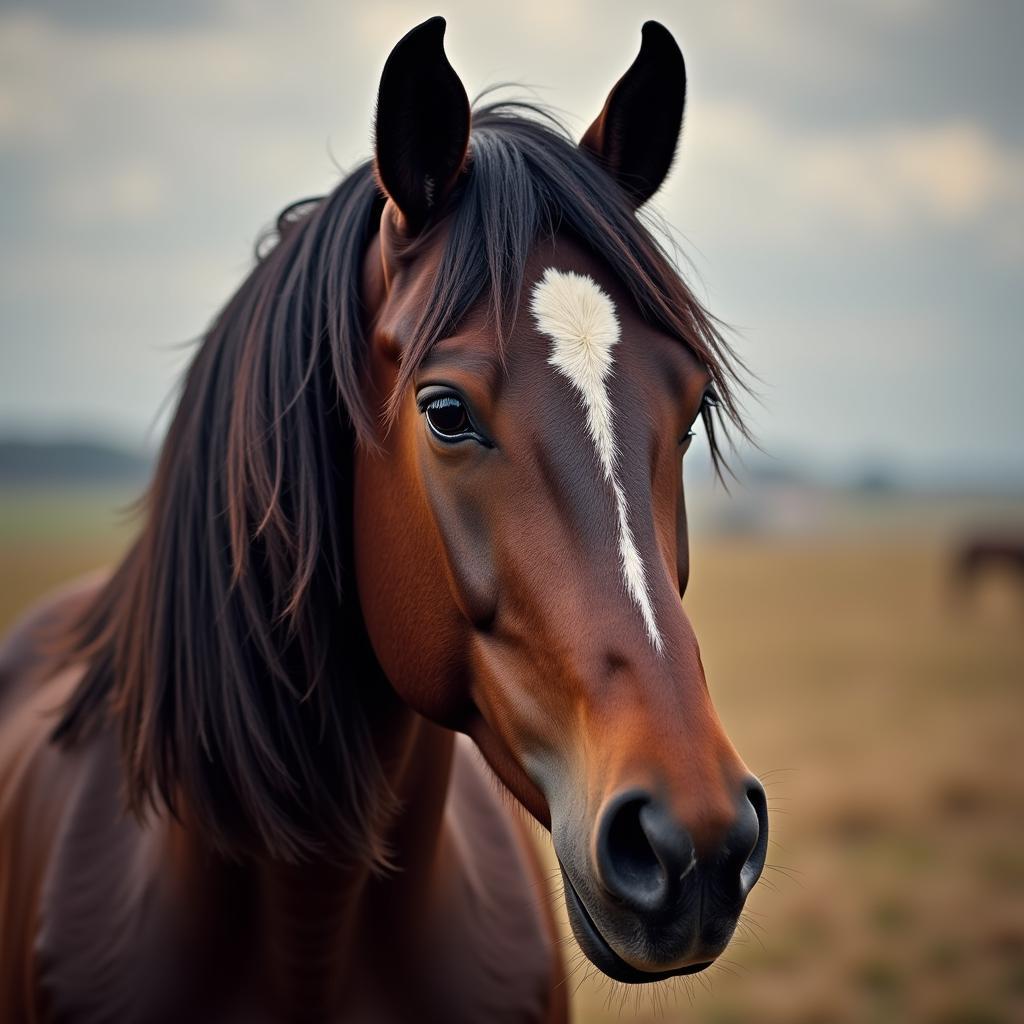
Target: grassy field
886,719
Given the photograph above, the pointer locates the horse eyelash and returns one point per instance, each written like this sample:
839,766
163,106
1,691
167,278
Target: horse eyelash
437,401
708,403
443,402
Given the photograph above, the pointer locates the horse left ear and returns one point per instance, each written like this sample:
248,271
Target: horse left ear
422,124
634,137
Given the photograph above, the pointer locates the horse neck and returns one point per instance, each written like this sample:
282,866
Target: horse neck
320,920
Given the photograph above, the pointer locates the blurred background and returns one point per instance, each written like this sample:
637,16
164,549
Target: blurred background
850,197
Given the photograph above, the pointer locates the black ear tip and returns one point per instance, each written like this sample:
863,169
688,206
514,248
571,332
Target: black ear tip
429,31
435,25
657,39
425,42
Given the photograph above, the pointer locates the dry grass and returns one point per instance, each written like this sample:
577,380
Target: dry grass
886,720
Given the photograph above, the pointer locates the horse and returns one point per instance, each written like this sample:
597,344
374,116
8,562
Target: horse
984,553
407,585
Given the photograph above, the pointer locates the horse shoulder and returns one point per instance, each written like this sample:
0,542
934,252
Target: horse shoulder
107,939
24,646
34,790
36,780
78,878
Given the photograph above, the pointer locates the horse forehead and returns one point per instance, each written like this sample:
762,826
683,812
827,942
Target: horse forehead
586,276
647,368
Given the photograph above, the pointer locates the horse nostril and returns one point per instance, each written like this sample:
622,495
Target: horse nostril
757,846
642,852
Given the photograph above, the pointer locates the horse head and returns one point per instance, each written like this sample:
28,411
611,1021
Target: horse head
520,531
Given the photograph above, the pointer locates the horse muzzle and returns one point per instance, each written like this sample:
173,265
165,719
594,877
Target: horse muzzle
645,903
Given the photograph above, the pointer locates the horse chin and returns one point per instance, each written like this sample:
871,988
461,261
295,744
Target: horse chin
601,954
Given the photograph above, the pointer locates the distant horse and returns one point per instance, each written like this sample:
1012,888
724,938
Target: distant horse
984,553
423,479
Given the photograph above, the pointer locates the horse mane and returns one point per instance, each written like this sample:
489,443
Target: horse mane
228,648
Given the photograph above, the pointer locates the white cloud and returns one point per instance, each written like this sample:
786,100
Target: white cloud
951,174
768,181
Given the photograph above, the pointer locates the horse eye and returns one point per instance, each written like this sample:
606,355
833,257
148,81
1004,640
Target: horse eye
449,418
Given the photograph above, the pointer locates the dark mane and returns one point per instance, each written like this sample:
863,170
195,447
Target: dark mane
227,648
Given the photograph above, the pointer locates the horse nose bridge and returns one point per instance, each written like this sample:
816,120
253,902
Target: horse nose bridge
663,719
602,546
649,722
626,678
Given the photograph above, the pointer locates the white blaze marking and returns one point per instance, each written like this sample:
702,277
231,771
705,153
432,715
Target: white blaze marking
579,318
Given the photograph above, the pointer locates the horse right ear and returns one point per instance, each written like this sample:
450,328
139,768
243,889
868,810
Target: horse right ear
422,124
634,137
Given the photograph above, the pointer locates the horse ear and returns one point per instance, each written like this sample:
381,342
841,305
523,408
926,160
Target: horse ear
634,137
422,124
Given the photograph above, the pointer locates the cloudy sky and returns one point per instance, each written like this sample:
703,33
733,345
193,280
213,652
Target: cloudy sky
850,191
